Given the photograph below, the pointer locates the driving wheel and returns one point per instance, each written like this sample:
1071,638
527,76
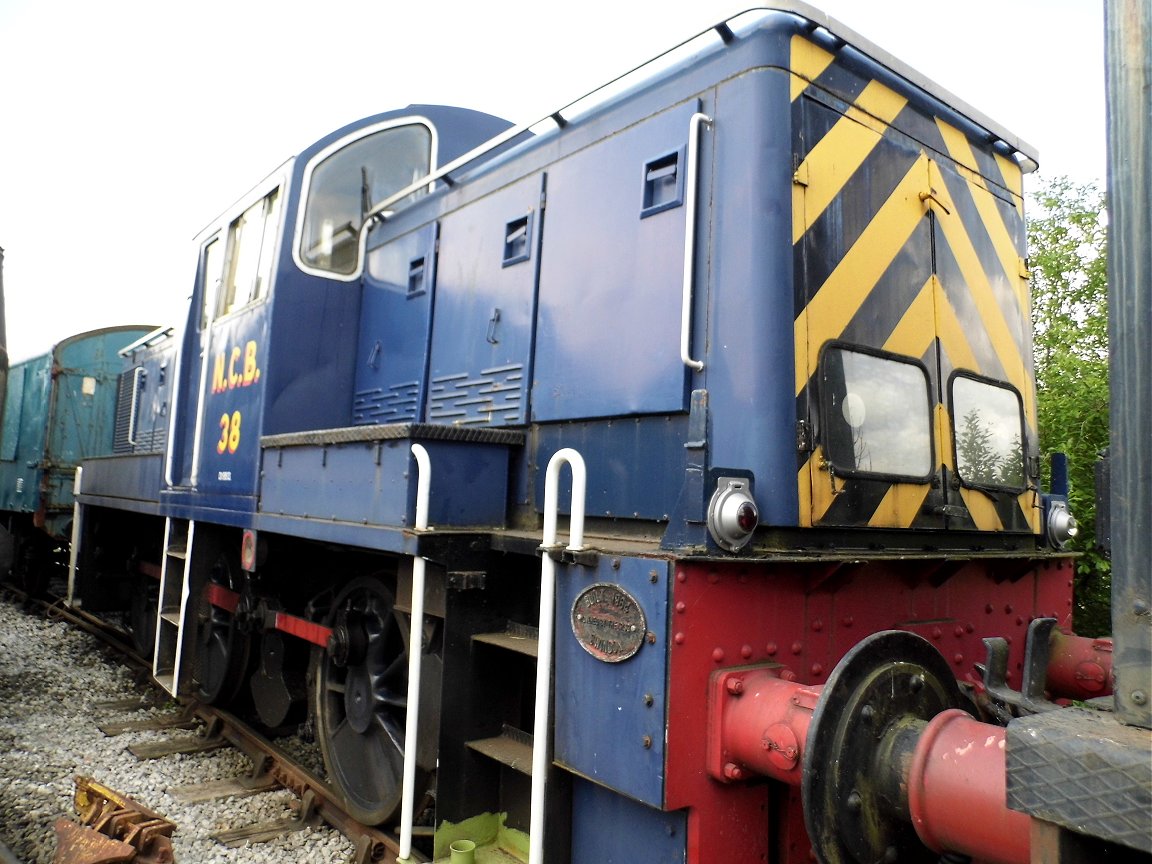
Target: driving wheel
360,699
223,648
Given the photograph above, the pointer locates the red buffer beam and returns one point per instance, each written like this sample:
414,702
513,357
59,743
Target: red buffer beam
882,755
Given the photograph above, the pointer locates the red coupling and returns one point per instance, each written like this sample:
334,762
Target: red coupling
757,725
957,794
1079,667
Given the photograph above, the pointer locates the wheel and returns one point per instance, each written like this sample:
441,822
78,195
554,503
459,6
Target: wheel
223,649
360,693
33,560
851,780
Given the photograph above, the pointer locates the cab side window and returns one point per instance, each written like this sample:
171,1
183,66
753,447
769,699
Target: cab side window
344,185
212,264
251,252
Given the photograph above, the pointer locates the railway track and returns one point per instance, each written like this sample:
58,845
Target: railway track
233,794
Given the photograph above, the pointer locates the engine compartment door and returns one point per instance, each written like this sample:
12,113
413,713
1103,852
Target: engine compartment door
911,307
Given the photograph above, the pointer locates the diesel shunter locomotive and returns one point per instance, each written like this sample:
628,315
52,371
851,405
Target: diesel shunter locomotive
656,482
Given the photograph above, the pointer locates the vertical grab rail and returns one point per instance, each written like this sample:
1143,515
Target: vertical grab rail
415,645
77,528
698,119
205,344
543,712
173,416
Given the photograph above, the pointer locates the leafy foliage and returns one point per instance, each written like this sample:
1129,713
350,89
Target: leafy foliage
1067,242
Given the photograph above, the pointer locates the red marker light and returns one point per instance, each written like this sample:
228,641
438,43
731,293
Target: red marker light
747,517
248,550
732,514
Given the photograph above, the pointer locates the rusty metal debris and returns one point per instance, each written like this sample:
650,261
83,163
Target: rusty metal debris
112,828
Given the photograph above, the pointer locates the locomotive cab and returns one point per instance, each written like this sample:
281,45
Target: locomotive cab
269,342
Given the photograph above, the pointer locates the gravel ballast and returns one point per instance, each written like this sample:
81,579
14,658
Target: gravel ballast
52,680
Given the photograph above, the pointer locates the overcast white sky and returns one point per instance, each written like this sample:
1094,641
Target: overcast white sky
127,125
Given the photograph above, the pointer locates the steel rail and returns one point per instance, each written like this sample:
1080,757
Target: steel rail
373,845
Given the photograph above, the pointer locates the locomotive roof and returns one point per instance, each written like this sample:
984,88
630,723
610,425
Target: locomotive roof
834,30
899,67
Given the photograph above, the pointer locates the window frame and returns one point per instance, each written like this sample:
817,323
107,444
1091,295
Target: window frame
264,267
318,158
220,229
999,385
210,277
824,408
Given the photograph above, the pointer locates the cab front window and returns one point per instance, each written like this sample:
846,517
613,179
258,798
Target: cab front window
345,184
876,415
988,426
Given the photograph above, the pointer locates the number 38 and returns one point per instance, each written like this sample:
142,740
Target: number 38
229,433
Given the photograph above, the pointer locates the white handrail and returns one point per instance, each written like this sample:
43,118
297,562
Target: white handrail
415,646
542,719
174,414
77,529
551,491
698,120
205,344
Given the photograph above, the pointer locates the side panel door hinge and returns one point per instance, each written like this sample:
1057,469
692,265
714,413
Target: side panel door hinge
804,442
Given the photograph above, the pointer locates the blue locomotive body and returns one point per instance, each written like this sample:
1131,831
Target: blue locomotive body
766,298
560,288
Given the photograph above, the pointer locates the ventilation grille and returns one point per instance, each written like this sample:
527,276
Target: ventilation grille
378,405
151,432
493,398
123,412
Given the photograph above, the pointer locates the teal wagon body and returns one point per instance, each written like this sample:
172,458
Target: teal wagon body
60,408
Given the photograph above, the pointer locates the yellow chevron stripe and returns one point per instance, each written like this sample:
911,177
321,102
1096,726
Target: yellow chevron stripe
804,487
839,154
828,313
915,330
952,338
972,271
960,150
1029,503
982,510
900,506
943,436
930,315
1010,172
825,486
956,143
1013,179
808,64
